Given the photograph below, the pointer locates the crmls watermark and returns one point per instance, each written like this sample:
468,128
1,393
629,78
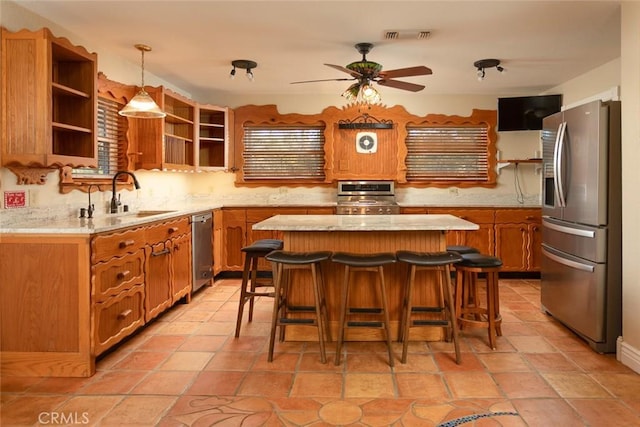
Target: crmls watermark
63,418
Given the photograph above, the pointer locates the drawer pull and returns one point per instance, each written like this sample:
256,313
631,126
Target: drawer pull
126,243
123,274
173,230
125,314
162,252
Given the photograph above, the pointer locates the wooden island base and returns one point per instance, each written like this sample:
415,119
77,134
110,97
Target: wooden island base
395,277
365,234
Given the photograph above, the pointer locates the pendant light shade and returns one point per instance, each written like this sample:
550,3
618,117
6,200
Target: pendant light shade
142,105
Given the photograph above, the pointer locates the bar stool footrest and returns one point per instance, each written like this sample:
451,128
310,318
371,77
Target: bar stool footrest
364,324
427,309
301,308
365,310
297,321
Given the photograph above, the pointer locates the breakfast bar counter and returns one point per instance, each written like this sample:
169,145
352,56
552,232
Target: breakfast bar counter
364,234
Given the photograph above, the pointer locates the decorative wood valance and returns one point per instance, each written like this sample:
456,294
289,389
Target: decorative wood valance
342,128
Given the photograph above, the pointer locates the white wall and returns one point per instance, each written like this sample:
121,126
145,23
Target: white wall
630,76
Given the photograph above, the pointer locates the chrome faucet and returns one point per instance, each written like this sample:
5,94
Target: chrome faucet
114,201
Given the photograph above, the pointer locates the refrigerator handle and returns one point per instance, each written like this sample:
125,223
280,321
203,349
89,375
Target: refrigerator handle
568,262
558,171
569,230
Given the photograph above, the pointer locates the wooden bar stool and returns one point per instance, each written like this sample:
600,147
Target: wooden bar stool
424,261
252,286
364,263
462,249
468,307
283,262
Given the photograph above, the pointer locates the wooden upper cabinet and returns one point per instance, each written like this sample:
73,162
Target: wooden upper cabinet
212,137
49,101
168,143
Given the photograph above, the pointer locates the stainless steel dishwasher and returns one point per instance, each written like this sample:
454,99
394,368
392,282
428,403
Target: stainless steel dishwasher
202,249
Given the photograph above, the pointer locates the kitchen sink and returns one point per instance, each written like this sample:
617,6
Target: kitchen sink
143,214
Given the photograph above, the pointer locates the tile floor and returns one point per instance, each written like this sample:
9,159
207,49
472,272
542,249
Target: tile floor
187,369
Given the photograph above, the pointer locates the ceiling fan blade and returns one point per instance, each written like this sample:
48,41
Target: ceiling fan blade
322,80
420,70
397,84
345,70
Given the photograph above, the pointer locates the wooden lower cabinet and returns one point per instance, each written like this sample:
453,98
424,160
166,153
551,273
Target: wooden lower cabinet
65,299
158,279
237,230
45,301
519,239
218,241
482,239
512,234
181,267
234,236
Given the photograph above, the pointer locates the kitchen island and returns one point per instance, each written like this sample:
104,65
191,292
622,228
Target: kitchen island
365,234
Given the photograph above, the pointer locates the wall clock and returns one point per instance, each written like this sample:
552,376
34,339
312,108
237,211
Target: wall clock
366,142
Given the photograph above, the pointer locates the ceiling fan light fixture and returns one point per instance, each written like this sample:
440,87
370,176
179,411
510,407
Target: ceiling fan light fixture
142,105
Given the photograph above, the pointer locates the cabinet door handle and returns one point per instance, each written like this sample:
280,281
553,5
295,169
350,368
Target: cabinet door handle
173,230
126,243
162,252
123,274
125,314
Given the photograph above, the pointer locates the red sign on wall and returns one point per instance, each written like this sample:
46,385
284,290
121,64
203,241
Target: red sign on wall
14,199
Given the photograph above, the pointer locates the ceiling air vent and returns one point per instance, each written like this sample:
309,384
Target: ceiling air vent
406,35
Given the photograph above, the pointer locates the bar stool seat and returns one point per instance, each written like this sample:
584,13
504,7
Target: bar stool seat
469,310
462,249
363,263
429,261
283,262
252,286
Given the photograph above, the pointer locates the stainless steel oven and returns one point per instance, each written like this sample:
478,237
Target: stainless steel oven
366,198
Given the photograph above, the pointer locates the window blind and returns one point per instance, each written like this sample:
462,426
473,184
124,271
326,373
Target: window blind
111,135
283,152
447,154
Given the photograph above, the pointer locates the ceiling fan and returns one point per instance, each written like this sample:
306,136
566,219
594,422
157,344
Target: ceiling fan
365,72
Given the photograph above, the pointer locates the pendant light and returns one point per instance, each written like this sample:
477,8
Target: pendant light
142,105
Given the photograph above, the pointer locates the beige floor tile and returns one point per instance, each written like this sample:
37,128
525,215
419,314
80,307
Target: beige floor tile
518,385
369,385
186,361
317,384
504,362
472,384
575,385
138,410
531,344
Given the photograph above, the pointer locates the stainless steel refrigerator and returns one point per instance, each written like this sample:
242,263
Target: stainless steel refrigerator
581,271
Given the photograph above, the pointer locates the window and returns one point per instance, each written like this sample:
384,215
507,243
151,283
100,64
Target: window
283,153
111,142
448,154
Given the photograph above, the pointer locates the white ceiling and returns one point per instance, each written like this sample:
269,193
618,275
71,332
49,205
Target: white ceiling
540,43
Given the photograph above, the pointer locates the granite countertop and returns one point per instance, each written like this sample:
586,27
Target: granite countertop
364,223
101,222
